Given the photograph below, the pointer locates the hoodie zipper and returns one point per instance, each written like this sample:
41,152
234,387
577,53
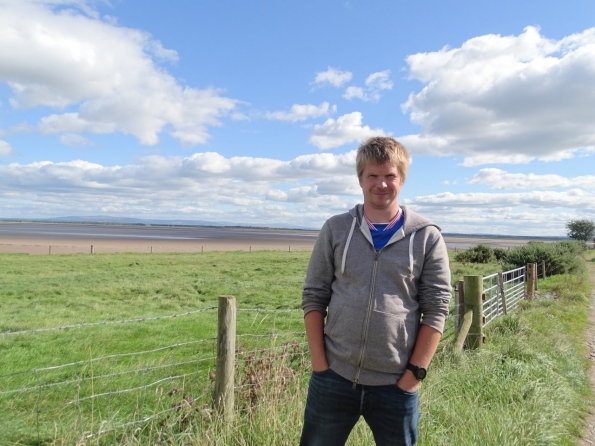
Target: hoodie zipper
367,322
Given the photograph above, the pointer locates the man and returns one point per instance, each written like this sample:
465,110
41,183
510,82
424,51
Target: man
381,272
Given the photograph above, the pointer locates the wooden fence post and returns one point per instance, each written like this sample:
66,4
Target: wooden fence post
473,301
531,280
502,293
226,351
50,251
463,331
92,250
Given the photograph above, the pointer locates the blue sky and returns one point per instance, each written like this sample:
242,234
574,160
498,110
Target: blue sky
250,112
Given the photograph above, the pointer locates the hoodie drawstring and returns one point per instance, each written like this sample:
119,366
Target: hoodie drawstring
349,241
347,245
411,254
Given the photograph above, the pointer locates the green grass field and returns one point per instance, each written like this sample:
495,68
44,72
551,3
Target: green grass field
528,385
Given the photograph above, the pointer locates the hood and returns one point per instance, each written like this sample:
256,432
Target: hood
412,223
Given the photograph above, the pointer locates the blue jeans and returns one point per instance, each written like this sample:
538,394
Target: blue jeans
334,406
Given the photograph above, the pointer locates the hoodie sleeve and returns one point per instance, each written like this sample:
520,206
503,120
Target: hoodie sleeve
434,290
317,290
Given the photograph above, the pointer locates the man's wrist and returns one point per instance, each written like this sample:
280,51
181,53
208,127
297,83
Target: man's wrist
419,372
319,365
408,382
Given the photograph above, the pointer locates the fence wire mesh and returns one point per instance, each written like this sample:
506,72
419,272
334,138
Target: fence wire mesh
115,392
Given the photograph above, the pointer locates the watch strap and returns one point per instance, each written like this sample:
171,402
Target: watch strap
418,371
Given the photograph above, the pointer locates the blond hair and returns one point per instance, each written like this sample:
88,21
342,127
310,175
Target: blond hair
382,150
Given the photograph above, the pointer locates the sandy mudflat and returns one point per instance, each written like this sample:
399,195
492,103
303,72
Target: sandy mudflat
254,240
70,246
465,242
35,238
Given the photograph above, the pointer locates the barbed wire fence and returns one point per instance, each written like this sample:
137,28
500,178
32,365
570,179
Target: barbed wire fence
123,391
169,384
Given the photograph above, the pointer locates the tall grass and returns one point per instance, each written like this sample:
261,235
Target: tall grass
528,385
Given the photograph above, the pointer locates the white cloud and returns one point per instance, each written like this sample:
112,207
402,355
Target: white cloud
339,185
299,112
500,179
506,99
107,75
332,76
178,175
375,84
354,93
503,221
247,190
496,158
203,186
379,81
573,198
5,149
73,140
344,130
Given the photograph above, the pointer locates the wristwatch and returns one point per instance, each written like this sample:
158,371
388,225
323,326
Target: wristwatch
419,372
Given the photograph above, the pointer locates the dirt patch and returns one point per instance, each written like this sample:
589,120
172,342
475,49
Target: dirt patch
589,435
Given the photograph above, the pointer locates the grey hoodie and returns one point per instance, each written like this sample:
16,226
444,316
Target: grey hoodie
376,299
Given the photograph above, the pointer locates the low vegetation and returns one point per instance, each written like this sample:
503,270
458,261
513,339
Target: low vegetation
528,385
560,257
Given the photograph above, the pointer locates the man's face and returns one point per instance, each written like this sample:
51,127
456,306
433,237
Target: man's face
381,185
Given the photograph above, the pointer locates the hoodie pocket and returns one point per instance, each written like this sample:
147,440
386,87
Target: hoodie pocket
387,344
343,332
392,334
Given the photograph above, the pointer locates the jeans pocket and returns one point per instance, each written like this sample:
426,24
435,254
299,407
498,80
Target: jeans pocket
320,372
404,392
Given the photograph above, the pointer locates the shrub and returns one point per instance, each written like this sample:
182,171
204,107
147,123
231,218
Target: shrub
559,257
477,254
500,254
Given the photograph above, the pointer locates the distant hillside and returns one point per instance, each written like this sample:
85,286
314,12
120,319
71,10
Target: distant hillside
140,221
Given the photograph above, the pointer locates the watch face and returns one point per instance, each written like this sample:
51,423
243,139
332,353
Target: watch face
420,373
